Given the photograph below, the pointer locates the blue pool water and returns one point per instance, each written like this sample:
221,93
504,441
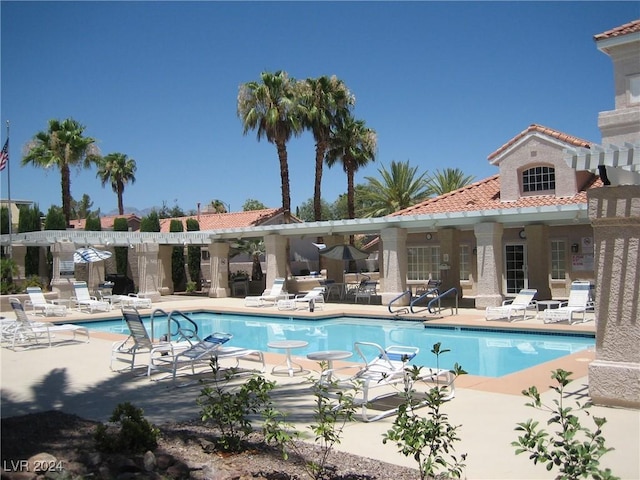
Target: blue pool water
486,352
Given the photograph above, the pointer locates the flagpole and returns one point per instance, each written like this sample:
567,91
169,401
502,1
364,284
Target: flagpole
9,248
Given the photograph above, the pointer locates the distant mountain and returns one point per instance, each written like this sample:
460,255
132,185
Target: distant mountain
129,211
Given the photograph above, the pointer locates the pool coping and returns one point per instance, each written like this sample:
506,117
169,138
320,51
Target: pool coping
511,384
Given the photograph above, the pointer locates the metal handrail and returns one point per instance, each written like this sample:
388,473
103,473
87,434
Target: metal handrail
422,297
402,310
442,295
170,318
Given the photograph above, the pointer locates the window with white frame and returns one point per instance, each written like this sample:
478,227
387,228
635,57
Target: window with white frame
423,263
465,262
539,179
558,259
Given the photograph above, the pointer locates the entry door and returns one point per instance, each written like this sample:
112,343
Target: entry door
516,268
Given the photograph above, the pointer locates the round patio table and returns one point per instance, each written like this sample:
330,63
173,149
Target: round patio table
289,366
329,356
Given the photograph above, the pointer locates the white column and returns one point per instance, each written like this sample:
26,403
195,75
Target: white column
614,375
276,258
490,264
62,252
394,261
149,273
219,253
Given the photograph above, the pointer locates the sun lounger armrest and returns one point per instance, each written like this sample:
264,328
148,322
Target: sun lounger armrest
401,353
218,338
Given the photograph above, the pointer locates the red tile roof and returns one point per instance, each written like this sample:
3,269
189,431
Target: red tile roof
485,195
105,222
625,29
214,221
563,137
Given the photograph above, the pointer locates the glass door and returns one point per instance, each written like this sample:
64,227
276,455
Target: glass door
515,268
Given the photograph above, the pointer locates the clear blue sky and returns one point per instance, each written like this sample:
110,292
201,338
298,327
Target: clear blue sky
444,84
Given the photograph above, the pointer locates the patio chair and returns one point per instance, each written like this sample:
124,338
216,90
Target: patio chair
203,352
366,289
272,295
511,309
85,301
135,300
40,304
579,301
382,368
316,295
139,341
26,333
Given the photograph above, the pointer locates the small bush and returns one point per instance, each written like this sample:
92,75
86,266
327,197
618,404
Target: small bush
229,410
429,439
129,432
573,449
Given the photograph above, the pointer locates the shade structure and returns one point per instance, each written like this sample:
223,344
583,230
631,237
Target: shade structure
344,252
90,255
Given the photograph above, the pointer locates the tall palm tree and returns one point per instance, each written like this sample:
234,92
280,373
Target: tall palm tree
354,145
118,169
326,102
448,180
63,146
271,107
399,188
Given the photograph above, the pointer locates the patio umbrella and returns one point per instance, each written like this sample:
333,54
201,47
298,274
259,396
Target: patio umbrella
90,255
344,252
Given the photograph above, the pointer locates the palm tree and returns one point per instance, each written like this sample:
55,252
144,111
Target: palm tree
63,146
326,101
448,180
118,169
271,107
399,188
354,145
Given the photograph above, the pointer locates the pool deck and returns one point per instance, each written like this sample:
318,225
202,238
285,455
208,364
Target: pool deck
75,378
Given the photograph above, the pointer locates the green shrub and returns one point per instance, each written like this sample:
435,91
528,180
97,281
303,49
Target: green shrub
129,432
331,416
229,410
429,438
574,450
32,281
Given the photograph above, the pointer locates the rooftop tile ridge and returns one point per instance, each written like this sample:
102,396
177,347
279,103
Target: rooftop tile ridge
551,132
630,27
446,195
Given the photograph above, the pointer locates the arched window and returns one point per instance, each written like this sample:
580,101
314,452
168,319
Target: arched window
538,179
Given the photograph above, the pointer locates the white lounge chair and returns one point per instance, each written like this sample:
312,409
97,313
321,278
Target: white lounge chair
316,295
134,300
272,295
40,304
384,368
512,309
139,342
203,352
578,302
25,333
84,300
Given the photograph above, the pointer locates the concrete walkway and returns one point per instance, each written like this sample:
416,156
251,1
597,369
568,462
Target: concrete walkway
76,378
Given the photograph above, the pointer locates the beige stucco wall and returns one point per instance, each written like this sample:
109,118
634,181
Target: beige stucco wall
532,151
614,376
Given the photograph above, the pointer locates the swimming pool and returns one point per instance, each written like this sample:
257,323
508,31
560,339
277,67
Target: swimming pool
486,352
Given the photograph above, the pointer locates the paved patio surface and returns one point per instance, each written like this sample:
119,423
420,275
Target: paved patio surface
76,378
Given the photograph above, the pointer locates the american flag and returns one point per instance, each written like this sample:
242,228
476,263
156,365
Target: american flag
4,156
